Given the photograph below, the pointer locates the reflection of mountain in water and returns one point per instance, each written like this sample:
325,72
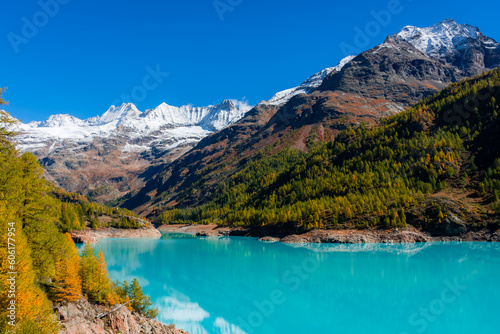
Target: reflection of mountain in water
409,248
172,236
470,249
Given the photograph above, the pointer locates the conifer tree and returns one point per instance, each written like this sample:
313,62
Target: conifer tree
88,271
104,283
33,311
141,303
95,280
67,281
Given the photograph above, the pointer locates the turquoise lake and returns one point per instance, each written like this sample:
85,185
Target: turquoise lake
241,285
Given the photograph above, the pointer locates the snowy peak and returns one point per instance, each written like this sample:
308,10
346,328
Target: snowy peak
440,39
226,105
453,43
214,117
117,114
137,123
224,114
59,120
309,85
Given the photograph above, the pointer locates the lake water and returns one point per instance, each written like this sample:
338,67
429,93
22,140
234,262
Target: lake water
242,285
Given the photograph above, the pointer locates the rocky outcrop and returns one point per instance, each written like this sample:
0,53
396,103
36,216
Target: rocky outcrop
269,239
92,236
80,317
359,236
392,71
450,226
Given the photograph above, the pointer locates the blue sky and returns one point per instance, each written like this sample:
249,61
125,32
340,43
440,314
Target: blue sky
84,55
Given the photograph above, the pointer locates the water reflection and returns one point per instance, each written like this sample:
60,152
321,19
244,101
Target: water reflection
405,248
219,285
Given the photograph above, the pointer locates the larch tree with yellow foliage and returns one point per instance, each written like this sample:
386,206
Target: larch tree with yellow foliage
104,283
68,284
95,280
33,312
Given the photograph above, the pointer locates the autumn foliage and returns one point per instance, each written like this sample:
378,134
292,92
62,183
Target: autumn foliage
39,264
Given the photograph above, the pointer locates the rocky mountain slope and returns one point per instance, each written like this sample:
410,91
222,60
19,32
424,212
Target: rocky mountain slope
309,85
379,82
107,156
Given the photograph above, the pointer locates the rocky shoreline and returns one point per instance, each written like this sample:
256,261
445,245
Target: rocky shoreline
406,235
270,234
81,317
92,236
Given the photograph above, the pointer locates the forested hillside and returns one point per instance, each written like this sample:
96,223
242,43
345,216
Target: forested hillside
77,212
40,264
439,159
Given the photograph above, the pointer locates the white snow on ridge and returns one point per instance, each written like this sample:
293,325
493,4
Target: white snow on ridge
309,85
169,126
135,121
135,148
442,39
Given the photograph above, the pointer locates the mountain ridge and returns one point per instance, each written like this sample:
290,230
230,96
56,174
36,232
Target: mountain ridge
425,168
170,115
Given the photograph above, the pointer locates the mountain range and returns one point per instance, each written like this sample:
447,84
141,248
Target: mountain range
183,153
109,155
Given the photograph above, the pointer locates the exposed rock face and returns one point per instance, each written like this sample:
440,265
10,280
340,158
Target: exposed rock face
80,318
450,226
394,71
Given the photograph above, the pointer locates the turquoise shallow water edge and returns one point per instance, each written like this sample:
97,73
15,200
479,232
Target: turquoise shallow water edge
241,285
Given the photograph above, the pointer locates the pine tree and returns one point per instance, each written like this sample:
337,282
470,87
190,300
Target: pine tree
141,303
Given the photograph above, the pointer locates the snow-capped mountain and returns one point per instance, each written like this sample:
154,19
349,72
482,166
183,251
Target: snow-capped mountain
112,150
190,124
211,118
460,45
309,85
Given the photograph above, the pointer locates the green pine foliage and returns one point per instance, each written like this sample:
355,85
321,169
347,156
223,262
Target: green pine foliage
77,212
383,175
139,301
